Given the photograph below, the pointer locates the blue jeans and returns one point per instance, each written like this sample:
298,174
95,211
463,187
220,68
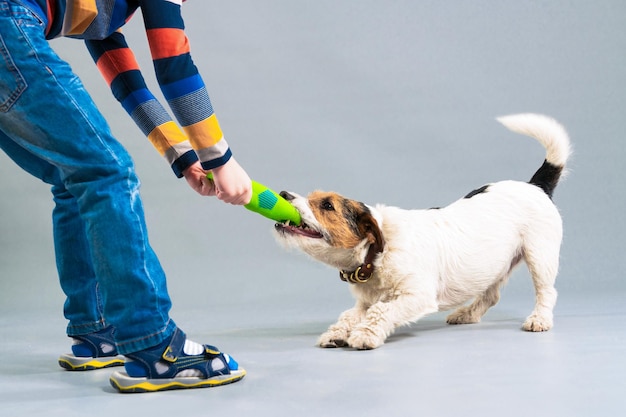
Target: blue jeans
51,128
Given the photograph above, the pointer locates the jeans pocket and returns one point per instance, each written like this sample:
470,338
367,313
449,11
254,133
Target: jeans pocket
12,83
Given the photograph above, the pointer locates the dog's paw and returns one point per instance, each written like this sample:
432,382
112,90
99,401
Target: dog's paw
537,323
462,316
332,339
365,339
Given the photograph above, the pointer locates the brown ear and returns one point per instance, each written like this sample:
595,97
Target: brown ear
368,227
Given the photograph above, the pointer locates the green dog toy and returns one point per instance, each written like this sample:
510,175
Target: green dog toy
270,204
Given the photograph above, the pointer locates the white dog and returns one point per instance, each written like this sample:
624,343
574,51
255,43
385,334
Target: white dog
404,264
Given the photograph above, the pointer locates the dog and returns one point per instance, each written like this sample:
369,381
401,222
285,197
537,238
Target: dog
404,264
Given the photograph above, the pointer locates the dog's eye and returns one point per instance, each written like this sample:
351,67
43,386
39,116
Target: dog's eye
327,205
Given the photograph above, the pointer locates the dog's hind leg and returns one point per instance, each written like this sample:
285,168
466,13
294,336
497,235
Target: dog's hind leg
473,312
542,244
543,269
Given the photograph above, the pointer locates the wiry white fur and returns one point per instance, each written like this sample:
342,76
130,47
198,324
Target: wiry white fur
435,260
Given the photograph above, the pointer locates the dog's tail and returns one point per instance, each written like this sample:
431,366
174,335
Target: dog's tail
553,137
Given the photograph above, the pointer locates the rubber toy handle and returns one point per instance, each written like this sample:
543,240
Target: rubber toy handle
270,204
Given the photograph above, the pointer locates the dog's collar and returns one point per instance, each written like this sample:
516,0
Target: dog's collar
364,272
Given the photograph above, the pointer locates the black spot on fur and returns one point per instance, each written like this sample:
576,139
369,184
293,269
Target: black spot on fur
477,191
547,177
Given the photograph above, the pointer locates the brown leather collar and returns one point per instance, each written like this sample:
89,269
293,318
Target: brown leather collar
364,272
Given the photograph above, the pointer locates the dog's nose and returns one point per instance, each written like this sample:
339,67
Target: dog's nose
286,195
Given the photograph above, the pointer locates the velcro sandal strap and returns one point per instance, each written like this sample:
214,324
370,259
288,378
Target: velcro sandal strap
96,345
175,348
216,363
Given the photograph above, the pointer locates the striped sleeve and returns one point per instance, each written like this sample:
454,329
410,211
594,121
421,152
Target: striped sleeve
180,82
118,66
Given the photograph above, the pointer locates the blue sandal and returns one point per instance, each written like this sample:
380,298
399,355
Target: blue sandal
92,351
163,368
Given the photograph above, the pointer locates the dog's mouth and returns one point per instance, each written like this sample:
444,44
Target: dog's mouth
302,230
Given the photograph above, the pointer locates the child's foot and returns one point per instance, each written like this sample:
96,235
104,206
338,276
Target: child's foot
92,351
176,363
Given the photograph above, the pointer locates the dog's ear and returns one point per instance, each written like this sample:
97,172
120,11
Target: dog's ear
369,229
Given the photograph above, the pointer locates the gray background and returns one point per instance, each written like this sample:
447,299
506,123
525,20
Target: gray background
391,102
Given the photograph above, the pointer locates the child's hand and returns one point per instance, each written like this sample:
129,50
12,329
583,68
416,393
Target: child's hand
196,178
232,184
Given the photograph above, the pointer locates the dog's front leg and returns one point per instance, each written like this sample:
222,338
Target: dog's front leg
383,317
338,333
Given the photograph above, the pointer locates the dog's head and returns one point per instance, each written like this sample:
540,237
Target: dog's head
337,231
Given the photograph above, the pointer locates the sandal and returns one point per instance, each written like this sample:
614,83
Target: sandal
168,367
92,351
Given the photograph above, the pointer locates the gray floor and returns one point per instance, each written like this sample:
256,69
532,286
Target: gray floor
388,102
492,368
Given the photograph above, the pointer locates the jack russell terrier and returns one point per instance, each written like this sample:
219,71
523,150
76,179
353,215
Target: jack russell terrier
405,264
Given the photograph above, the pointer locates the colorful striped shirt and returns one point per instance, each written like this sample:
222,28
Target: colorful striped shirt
199,136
